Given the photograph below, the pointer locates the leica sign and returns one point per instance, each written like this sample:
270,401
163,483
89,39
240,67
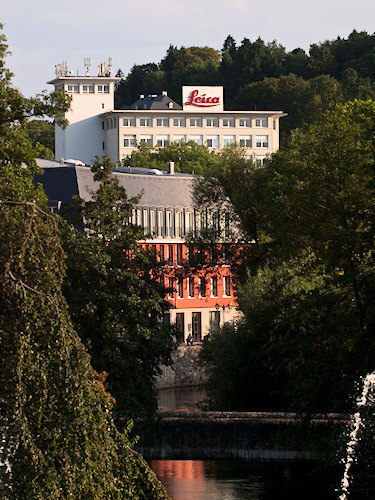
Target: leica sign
199,98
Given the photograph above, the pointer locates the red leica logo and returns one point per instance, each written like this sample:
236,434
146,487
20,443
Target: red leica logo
203,101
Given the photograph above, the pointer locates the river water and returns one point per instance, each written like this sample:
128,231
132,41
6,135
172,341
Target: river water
236,479
239,480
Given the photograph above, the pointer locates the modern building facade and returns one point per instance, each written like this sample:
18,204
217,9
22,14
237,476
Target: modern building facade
96,128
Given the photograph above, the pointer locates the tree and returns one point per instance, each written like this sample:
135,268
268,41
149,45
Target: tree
116,297
188,157
56,426
308,297
42,132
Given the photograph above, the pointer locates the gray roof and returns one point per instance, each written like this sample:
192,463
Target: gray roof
158,188
155,102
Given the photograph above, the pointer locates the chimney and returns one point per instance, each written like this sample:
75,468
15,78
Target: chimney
142,96
164,93
170,170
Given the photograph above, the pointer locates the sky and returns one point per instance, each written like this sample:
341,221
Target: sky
43,33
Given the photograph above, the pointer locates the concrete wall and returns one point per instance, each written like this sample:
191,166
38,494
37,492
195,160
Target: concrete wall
261,436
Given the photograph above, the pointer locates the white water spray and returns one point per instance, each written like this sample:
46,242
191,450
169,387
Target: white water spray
368,383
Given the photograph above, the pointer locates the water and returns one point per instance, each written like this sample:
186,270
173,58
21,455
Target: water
238,480
181,398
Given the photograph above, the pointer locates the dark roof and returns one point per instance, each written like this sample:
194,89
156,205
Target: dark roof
158,188
155,102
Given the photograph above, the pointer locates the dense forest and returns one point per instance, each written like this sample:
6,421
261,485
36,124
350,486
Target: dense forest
259,75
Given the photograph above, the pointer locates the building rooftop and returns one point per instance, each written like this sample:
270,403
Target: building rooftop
158,188
154,102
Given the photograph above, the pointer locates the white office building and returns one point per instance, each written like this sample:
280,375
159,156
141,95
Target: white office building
96,128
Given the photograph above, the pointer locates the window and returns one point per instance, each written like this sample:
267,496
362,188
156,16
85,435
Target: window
162,140
171,288
245,122
197,138
196,326
212,141
179,255
261,122
189,222
229,139
213,256
170,255
214,320
246,141
212,122
226,286
103,145
88,89
178,224
228,122
191,287
145,122
195,122
146,138
160,223
214,286
145,221
73,89
225,256
261,141
103,125
169,224
202,287
129,141
180,288
128,122
103,89
152,222
179,138
161,252
179,122
180,324
162,122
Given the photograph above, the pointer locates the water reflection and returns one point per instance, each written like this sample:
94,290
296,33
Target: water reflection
236,480
181,398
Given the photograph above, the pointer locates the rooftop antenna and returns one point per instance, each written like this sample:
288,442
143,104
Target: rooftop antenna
88,64
105,69
61,69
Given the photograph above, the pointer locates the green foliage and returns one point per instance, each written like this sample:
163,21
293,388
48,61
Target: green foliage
56,426
259,75
116,297
42,132
57,413
189,157
309,294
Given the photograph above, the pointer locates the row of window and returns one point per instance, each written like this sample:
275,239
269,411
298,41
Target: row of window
198,288
178,223
212,141
91,88
196,324
175,255
193,122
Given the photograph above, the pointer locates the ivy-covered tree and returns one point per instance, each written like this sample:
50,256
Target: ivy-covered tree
58,437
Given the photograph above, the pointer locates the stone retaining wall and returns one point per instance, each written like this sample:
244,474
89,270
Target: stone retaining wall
185,371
